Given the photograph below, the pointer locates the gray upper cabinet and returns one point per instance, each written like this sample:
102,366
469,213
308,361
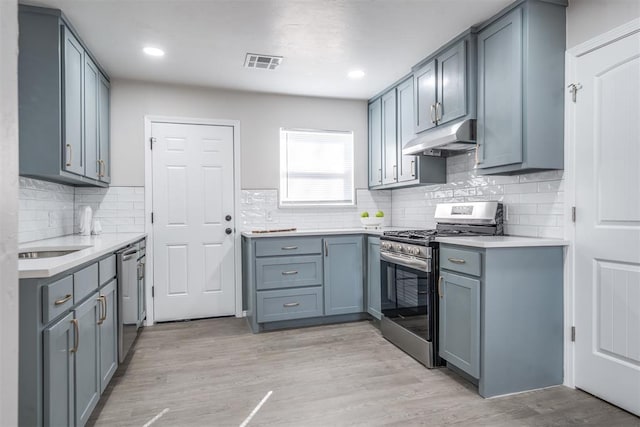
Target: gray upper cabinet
451,101
375,143
395,110
425,96
520,124
72,70
58,375
389,134
63,101
343,275
407,165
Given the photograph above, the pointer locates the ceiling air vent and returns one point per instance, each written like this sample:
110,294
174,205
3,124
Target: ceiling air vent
264,62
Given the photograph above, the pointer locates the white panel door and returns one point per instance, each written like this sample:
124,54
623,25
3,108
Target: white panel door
193,228
607,270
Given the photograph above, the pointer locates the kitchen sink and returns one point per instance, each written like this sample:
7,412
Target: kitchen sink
36,253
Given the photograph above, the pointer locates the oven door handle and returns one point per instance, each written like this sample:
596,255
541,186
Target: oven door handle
411,262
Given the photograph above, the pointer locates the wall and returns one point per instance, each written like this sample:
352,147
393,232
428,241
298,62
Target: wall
587,19
8,212
260,116
534,202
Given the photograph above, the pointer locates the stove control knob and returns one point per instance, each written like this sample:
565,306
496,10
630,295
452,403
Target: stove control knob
386,245
398,248
415,251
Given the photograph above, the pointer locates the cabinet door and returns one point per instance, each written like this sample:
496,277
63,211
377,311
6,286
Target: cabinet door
58,381
460,322
343,281
375,143
406,131
425,99
500,92
72,119
91,78
389,134
104,135
452,84
108,334
87,385
373,277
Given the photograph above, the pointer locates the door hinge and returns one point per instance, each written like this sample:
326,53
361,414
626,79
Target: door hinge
573,214
151,217
153,292
574,88
573,334
153,139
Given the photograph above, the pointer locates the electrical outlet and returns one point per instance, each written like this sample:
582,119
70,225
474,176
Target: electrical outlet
269,216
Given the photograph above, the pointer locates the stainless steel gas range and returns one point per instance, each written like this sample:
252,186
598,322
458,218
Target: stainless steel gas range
409,271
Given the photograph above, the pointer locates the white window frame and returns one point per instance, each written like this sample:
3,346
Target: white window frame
283,201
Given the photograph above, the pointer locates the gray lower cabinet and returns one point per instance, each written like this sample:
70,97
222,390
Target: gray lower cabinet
460,322
373,277
63,101
501,316
68,344
58,376
306,280
521,89
87,358
343,275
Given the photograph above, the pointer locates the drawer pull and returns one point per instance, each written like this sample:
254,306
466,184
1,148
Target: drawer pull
63,300
457,261
291,304
76,329
289,273
289,248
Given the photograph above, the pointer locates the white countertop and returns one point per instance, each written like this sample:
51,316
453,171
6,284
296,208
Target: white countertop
95,247
501,241
322,232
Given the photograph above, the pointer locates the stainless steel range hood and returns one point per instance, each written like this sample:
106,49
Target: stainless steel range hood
460,136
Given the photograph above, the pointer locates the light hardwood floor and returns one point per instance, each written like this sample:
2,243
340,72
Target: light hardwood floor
214,372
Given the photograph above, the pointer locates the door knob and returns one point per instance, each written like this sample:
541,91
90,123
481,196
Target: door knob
228,231
228,217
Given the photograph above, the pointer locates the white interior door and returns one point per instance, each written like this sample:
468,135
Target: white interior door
607,268
194,256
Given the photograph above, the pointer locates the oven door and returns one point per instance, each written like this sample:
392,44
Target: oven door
408,294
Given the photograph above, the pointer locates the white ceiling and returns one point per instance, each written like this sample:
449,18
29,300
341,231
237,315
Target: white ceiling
320,40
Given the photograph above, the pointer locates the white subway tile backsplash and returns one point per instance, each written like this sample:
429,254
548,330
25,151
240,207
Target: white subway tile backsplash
534,202
48,209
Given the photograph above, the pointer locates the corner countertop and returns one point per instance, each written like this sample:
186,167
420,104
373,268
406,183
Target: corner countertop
501,241
94,247
321,232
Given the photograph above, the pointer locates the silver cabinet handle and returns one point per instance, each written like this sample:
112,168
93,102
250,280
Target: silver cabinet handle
457,261
76,329
99,168
380,175
70,157
438,112
102,168
432,108
289,248
326,248
440,287
289,273
395,172
413,168
63,299
291,304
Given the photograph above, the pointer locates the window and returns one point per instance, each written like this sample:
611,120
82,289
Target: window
316,168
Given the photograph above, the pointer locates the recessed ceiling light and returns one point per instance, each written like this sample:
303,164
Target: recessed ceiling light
153,51
356,74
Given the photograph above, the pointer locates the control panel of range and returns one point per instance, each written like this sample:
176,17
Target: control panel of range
405,248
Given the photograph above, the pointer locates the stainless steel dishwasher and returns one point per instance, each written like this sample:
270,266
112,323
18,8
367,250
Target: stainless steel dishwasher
128,298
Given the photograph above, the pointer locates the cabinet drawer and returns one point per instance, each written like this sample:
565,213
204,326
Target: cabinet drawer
288,272
287,304
288,246
107,269
85,281
57,297
461,260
